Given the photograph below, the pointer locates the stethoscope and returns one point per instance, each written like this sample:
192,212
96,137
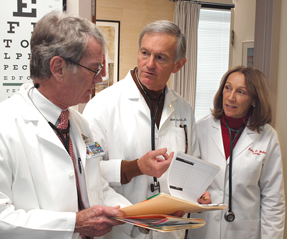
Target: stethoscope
155,185
229,215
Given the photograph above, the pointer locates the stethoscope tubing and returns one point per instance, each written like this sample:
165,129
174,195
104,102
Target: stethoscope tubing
230,216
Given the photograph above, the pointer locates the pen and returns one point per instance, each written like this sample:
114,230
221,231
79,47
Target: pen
79,163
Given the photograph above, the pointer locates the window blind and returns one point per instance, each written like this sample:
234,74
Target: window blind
212,57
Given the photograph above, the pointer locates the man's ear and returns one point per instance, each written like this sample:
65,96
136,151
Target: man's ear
103,71
57,64
178,65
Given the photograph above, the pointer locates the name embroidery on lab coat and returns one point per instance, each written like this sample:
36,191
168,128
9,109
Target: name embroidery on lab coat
257,152
173,119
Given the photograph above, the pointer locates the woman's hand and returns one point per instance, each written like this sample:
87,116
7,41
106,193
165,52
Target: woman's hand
205,198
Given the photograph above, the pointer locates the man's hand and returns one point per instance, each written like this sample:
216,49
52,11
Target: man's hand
96,221
153,165
205,198
178,214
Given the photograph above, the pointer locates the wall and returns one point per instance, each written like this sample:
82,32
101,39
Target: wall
84,10
133,16
244,26
281,113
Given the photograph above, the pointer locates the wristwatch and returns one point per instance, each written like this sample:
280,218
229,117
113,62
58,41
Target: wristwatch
144,230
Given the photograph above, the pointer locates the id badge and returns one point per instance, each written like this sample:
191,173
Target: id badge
94,150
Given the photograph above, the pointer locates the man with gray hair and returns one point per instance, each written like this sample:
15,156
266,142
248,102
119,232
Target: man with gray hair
50,181
140,122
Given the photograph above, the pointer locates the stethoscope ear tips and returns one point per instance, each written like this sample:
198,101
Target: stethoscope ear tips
229,216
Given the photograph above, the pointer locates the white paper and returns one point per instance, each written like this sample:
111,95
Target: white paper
188,177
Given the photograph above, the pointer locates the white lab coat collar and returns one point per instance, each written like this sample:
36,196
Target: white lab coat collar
51,112
134,94
244,141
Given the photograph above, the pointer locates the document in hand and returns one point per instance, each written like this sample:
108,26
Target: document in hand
165,204
163,223
187,179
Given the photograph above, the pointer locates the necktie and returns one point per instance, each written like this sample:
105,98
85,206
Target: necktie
64,130
63,127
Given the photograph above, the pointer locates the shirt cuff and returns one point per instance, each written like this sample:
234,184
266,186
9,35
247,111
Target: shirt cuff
129,169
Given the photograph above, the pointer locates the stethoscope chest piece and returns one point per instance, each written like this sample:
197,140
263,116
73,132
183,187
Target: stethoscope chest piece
155,186
229,216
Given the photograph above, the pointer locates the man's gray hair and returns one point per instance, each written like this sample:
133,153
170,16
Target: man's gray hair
169,28
58,34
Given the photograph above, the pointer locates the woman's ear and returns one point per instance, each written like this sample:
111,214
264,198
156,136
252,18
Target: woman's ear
253,103
179,64
56,66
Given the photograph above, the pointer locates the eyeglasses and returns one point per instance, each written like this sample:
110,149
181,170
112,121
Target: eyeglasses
96,72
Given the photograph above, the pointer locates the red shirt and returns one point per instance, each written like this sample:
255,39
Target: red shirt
233,124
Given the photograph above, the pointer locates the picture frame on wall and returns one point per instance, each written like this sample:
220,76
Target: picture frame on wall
111,32
247,53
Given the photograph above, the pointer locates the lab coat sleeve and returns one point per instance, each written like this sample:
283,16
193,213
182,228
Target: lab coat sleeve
96,114
272,192
29,224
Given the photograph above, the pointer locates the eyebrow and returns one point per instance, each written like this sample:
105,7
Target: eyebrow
157,54
240,87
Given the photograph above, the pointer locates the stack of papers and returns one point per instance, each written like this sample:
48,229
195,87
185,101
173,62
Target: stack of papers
163,223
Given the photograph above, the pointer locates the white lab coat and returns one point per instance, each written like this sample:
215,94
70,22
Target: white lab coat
257,184
38,196
120,121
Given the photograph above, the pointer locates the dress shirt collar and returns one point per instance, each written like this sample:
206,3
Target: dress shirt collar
49,110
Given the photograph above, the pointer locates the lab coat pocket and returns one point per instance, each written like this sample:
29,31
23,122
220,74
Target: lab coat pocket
249,170
173,139
93,179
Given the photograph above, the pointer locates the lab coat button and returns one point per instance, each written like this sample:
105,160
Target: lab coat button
71,173
216,218
220,193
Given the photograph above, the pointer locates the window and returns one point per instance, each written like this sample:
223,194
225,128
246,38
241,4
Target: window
212,57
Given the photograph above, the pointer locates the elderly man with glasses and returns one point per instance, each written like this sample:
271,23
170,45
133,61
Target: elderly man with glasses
50,180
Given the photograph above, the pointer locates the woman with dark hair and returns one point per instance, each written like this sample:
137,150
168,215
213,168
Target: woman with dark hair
237,137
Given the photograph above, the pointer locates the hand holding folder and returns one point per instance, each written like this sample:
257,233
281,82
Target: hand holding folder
187,178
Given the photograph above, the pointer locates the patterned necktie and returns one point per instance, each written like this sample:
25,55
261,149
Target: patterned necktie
63,126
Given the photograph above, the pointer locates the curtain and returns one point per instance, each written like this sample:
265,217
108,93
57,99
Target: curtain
186,16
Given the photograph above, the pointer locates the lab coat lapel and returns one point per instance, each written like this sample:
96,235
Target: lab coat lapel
134,95
44,130
243,143
217,136
79,142
44,150
168,107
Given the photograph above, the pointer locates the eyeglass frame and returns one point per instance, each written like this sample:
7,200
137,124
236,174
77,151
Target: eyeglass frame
96,72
